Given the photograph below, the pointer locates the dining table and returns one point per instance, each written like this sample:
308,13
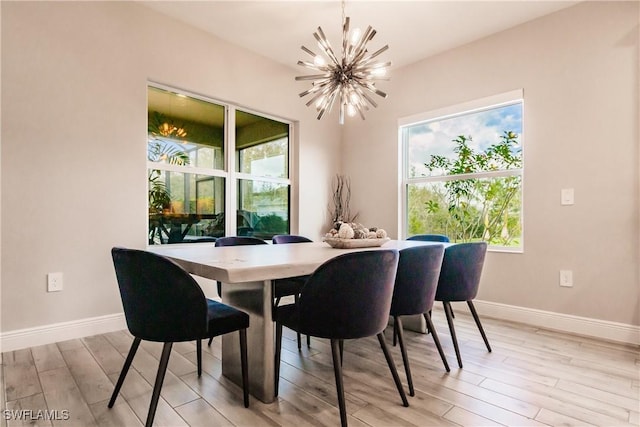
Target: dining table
247,274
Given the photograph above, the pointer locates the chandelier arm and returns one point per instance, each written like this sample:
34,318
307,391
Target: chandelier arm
313,77
325,45
368,58
313,66
366,96
370,87
345,38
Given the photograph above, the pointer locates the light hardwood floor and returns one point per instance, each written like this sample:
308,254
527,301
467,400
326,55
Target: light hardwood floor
532,377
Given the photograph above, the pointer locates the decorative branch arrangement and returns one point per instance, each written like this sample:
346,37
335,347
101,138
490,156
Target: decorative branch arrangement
341,190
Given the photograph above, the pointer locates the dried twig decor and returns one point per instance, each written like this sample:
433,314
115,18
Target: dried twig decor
341,189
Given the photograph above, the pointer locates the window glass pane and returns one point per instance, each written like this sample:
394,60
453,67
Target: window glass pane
191,209
461,144
263,208
262,146
486,209
184,131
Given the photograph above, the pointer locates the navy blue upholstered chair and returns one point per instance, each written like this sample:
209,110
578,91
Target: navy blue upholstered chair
459,281
414,293
347,297
430,238
290,285
163,303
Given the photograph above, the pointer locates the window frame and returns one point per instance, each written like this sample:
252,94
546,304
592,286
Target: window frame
229,172
457,110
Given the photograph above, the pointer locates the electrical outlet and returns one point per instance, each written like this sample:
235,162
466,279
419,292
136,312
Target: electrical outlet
566,278
54,282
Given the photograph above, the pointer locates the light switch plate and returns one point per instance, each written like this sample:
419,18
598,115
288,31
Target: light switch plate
566,196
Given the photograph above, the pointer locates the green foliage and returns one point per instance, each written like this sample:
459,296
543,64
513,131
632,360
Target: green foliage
471,209
160,150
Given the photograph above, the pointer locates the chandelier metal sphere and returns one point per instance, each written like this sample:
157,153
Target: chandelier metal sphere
350,79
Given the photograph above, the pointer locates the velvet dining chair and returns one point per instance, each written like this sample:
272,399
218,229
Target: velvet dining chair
459,281
430,238
414,293
347,297
290,285
163,303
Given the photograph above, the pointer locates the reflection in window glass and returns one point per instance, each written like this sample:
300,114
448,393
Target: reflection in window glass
263,208
184,132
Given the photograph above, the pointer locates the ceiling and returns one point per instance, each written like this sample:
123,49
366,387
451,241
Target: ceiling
413,29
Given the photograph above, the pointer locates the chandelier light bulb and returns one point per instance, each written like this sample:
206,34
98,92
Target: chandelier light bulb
349,78
355,36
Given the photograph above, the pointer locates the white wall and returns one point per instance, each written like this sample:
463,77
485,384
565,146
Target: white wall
579,71
74,113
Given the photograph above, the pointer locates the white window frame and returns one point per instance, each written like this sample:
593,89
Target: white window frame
229,172
483,104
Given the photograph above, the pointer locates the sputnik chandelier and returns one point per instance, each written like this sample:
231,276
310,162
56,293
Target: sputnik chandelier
349,80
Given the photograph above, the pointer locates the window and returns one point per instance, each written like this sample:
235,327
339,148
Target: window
198,170
462,172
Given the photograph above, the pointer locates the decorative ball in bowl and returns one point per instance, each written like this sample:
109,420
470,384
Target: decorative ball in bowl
353,235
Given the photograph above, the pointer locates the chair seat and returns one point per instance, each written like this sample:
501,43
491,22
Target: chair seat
224,319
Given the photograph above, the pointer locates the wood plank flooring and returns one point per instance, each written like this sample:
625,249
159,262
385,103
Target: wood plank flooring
533,377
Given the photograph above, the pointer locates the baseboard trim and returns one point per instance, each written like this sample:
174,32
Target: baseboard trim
602,329
40,335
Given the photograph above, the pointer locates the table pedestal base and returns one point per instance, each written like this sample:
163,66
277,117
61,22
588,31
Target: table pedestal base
255,299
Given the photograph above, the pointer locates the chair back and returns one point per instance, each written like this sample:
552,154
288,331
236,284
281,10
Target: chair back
289,238
416,280
430,238
239,241
461,271
349,296
161,301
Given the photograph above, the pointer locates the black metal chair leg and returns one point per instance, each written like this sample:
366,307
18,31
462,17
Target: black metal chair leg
436,340
395,331
162,370
209,343
123,373
403,350
341,351
452,330
277,356
245,366
480,328
199,356
308,340
392,367
337,369
295,297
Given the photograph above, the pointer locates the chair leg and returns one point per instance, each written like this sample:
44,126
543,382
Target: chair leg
395,331
245,366
277,357
210,341
162,370
341,351
295,297
125,369
403,350
392,367
436,340
480,328
199,356
308,340
337,369
449,314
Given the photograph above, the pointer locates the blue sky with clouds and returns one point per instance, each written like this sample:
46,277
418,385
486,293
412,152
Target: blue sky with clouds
484,127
